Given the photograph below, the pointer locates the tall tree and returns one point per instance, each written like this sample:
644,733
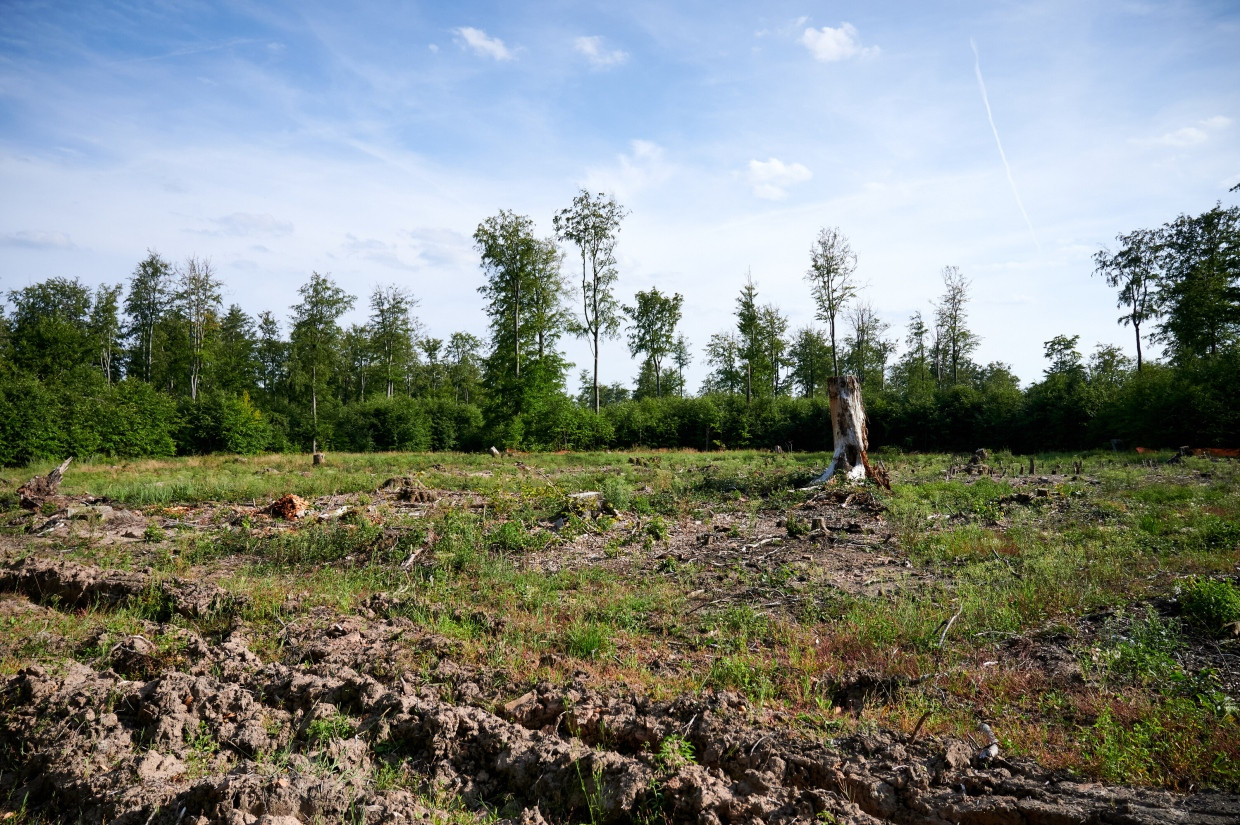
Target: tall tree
723,354
393,331
1200,288
832,264
956,341
315,338
463,364
149,298
105,329
432,348
868,346
235,365
198,302
592,225
681,357
750,331
50,330
772,329
273,355
357,352
811,361
1134,270
652,329
524,290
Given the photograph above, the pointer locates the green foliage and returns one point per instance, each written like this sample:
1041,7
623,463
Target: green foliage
224,423
82,416
323,731
617,492
674,753
1145,654
1211,603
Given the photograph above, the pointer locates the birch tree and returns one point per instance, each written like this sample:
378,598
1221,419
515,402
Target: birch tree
832,266
592,224
315,337
198,301
149,298
652,331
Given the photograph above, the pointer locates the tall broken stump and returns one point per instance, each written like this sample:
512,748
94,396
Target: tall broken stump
849,435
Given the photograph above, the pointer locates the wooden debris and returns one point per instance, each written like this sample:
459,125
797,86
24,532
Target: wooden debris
289,508
40,488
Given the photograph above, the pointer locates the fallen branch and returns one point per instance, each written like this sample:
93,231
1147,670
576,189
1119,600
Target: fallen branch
950,622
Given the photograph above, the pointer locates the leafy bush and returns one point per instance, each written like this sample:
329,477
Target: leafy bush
1210,603
220,422
617,492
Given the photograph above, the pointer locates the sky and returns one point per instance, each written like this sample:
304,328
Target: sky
368,140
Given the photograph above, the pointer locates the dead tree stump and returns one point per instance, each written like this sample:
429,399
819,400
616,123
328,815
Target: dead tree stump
34,492
849,434
319,459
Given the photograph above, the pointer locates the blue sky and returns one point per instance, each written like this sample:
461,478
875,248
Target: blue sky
368,140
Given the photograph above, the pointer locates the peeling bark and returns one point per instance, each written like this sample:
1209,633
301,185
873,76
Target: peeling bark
849,434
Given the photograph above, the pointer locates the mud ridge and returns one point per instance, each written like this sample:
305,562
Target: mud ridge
234,739
69,584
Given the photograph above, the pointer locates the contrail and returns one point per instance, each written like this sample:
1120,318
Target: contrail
977,69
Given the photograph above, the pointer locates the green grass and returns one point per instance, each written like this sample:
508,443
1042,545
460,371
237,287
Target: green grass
1012,575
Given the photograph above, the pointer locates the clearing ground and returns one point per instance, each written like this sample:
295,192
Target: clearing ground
654,637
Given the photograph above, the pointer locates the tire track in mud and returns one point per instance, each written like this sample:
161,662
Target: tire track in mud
231,738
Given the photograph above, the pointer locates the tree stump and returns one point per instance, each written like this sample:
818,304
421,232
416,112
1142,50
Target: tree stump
319,459
849,434
34,492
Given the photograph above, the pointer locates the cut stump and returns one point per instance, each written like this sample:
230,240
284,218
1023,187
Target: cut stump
849,434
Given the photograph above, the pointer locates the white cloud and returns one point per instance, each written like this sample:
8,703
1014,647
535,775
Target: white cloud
829,45
600,58
483,45
37,240
643,167
771,178
1194,135
240,224
373,249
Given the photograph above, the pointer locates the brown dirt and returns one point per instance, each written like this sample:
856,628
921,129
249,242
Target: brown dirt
169,728
165,726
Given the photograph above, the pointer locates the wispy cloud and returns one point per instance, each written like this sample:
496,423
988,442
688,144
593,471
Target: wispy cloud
771,178
642,167
243,224
483,45
1195,135
830,45
599,57
37,240
376,251
981,84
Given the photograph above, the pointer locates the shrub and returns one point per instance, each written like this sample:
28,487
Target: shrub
1210,603
220,422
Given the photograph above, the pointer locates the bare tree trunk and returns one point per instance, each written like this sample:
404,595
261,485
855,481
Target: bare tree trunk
848,431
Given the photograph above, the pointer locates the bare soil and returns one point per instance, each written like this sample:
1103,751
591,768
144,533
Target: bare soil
171,727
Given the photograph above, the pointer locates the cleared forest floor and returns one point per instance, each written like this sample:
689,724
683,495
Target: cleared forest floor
622,636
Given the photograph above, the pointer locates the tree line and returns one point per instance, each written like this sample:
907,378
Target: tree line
159,366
